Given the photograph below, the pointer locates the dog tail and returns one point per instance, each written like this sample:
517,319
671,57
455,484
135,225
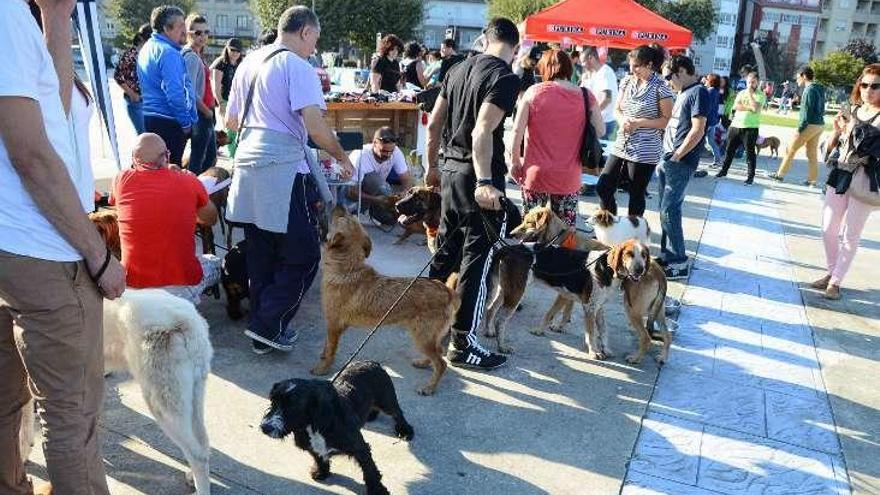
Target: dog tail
157,318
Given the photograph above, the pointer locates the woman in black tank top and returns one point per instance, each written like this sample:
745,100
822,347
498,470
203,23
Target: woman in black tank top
414,68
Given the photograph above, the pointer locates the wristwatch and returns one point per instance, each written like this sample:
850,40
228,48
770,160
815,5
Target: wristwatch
484,182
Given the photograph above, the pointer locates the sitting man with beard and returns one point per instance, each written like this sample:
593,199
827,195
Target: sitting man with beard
374,164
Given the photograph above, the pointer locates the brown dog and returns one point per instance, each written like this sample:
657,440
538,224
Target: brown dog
354,294
419,212
106,223
644,295
772,143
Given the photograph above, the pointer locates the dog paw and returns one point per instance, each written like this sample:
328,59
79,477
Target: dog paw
377,490
421,363
634,359
598,356
404,431
319,473
505,349
660,360
557,327
426,390
189,479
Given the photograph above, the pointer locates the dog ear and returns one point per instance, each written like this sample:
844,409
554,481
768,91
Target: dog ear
367,244
615,257
336,240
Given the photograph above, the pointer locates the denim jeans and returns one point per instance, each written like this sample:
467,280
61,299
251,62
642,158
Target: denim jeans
136,115
674,177
717,152
203,147
610,130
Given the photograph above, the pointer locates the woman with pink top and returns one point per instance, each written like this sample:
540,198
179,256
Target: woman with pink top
551,118
853,182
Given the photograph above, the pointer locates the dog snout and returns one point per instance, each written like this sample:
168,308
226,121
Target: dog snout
272,425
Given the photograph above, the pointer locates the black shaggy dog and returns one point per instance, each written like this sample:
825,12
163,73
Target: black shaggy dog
326,419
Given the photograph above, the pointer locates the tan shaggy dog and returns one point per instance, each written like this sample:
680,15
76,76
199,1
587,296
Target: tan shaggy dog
354,294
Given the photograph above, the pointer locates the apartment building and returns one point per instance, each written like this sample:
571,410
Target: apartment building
845,20
715,53
462,20
794,22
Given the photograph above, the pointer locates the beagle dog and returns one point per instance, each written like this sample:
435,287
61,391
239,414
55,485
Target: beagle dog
644,293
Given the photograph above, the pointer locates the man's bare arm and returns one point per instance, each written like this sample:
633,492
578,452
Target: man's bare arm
435,131
45,177
56,28
488,119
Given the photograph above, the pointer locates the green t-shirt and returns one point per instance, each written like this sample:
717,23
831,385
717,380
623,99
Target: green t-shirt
744,119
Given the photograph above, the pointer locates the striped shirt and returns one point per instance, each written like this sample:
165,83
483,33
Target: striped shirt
644,145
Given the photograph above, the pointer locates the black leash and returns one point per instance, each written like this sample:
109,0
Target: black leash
393,305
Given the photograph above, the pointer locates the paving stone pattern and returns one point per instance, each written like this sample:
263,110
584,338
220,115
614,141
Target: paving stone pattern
741,407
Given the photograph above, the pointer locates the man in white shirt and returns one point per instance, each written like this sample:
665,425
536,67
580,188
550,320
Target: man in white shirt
600,79
373,165
54,266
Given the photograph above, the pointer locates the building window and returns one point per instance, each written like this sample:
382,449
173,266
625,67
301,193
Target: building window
222,21
698,60
841,26
242,22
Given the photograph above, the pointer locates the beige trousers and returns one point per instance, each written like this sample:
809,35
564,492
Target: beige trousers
59,311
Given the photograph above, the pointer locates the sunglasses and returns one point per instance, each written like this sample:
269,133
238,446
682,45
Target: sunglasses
206,32
387,140
236,50
873,86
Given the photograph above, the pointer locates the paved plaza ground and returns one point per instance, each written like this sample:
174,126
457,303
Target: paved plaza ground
769,388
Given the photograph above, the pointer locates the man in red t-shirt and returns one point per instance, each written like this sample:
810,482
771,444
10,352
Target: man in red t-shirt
158,206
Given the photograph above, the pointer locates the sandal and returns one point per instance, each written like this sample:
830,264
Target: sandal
832,292
822,283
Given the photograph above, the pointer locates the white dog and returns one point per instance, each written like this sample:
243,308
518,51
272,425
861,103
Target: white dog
163,341
612,230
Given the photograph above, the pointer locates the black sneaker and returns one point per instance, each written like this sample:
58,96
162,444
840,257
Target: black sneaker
260,348
474,356
720,175
283,343
677,272
776,177
701,173
749,182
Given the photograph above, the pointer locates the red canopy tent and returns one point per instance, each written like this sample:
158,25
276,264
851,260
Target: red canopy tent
608,23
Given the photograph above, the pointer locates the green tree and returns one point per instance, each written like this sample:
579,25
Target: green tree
268,11
130,14
357,22
838,68
517,10
778,62
697,15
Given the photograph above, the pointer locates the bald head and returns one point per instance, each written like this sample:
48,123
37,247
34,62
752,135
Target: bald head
150,149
